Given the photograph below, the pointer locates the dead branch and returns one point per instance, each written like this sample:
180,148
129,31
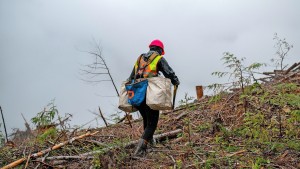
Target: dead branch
89,155
297,68
62,122
236,153
173,160
28,129
122,119
95,70
4,124
285,78
67,158
126,117
181,115
99,60
264,79
159,137
268,73
57,146
42,161
27,162
291,68
103,117
96,142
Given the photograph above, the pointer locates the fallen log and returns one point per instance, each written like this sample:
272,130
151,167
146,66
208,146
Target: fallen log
89,155
263,80
38,154
268,73
181,115
292,67
287,77
159,137
66,158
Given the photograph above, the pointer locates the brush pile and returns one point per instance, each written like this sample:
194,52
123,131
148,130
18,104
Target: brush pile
292,74
255,128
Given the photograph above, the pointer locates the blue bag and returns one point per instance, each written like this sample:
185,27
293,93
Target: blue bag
137,92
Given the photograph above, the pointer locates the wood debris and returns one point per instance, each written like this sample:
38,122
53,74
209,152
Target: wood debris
209,133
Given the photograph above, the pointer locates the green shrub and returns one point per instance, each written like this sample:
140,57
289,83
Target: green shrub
45,117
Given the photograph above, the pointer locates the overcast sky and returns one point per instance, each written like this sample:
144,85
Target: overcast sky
39,60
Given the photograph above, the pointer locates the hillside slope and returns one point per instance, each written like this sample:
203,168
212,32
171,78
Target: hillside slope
257,128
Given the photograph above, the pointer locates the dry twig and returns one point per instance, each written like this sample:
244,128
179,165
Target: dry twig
38,154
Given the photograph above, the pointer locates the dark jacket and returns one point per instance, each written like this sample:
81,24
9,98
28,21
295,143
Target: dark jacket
162,66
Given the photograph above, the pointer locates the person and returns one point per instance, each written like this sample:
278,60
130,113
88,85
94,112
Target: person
157,65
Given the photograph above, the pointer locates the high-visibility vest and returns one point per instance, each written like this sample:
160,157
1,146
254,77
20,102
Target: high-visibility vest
151,69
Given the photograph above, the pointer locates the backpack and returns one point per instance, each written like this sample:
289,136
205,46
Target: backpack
136,90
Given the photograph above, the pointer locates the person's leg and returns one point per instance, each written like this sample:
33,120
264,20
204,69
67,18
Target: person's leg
152,120
143,110
142,144
145,119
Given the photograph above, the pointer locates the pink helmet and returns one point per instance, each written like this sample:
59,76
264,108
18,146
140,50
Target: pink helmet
158,43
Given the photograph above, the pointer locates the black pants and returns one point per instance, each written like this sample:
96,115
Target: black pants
150,120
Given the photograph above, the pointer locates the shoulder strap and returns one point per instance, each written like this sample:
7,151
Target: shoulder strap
151,58
138,66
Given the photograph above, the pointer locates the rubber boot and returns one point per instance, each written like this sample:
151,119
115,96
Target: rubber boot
152,142
141,148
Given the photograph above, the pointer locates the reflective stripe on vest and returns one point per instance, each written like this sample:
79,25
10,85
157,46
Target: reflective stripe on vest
150,70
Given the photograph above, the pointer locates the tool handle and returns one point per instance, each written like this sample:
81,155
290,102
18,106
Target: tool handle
174,96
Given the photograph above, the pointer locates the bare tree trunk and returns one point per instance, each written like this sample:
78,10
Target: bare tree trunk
4,124
28,129
103,117
100,68
112,80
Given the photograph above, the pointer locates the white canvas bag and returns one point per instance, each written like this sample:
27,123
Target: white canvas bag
123,100
159,95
